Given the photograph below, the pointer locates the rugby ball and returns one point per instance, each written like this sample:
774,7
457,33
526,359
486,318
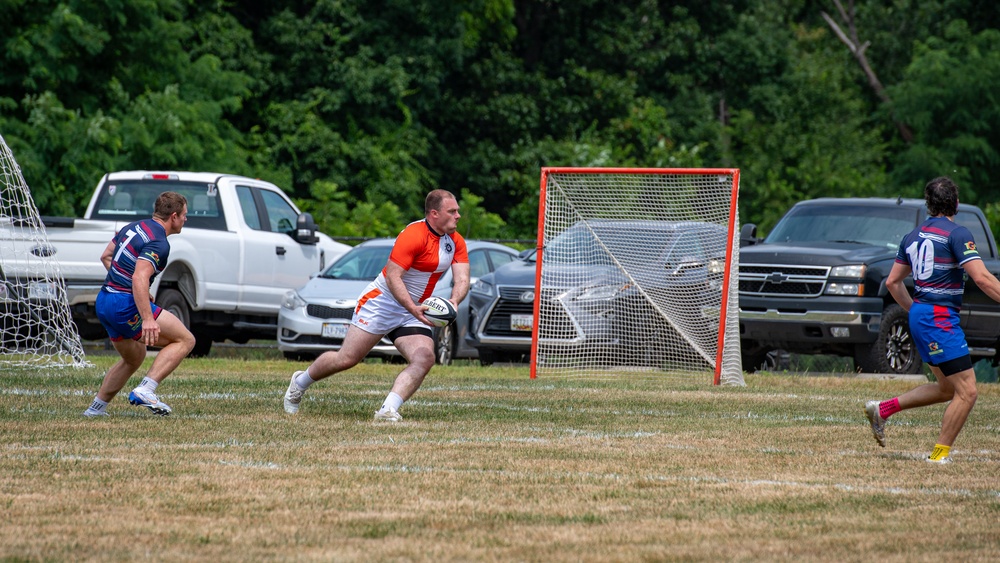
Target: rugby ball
440,312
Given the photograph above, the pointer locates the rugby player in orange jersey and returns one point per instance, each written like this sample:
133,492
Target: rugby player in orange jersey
391,306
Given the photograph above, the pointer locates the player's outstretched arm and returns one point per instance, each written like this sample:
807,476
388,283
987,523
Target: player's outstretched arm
983,278
460,273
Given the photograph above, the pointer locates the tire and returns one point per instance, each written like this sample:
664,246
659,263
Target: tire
765,360
486,357
299,356
894,351
444,345
172,300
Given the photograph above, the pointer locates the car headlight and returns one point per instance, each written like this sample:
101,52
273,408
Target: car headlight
716,266
483,288
292,301
599,292
851,288
855,271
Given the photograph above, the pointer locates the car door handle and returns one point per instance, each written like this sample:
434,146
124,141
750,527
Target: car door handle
280,250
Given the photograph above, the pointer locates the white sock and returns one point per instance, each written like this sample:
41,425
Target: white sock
303,380
392,401
98,405
148,384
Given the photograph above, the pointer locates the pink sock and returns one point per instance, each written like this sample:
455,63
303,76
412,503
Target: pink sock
888,408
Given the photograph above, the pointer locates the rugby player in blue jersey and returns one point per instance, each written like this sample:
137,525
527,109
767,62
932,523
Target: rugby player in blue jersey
937,254
133,258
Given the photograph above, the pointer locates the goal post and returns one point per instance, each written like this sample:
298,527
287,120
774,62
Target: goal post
36,326
636,270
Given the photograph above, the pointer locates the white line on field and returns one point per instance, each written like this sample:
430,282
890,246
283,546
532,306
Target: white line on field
754,483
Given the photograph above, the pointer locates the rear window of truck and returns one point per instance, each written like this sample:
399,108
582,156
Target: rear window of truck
131,200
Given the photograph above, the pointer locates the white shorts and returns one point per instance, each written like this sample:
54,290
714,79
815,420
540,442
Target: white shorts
378,313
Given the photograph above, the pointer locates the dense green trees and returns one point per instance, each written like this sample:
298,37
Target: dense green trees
357,108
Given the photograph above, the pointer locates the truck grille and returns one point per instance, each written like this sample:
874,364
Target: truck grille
782,280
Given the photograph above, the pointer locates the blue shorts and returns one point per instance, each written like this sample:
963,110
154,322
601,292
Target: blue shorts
119,315
937,333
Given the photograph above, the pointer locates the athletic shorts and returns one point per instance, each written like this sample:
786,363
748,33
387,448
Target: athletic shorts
119,315
937,333
378,313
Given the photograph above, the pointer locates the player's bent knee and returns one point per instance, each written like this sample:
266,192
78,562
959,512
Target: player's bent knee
422,357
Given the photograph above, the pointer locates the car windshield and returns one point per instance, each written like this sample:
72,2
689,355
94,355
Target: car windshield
876,226
360,263
577,244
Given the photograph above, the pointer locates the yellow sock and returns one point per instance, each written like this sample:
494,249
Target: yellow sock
939,452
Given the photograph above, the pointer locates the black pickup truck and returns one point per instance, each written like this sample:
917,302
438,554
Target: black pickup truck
816,285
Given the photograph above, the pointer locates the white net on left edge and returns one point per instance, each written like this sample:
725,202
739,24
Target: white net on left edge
36,326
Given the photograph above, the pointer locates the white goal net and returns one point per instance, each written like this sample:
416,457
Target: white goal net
636,270
36,327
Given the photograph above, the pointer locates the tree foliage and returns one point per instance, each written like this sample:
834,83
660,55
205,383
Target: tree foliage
358,108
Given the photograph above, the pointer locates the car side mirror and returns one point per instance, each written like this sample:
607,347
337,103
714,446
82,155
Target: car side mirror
305,229
748,235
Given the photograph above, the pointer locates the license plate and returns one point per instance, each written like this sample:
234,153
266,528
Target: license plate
521,322
335,330
42,290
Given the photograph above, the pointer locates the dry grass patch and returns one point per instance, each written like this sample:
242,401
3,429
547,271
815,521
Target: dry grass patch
487,465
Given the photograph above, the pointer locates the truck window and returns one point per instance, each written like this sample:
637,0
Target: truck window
281,216
249,207
131,200
877,226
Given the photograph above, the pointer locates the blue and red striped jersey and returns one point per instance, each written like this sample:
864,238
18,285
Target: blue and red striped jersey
935,252
141,240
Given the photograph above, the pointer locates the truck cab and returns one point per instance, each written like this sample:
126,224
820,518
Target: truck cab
244,245
816,284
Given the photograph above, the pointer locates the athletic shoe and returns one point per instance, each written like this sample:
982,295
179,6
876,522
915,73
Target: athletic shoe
877,422
92,413
388,415
293,396
149,400
942,461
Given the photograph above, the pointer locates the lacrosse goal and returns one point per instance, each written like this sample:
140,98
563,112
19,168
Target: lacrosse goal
36,327
636,270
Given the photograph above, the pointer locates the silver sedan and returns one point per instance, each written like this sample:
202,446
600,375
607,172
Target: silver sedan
315,317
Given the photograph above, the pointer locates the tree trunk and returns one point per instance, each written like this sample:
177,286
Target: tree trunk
858,49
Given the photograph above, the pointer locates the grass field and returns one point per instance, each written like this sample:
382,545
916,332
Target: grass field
488,465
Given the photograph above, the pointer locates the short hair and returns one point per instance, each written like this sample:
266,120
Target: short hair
169,203
941,197
435,199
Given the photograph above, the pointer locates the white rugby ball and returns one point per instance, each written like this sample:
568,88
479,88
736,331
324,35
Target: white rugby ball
440,312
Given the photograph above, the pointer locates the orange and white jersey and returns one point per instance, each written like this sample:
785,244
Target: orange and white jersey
424,256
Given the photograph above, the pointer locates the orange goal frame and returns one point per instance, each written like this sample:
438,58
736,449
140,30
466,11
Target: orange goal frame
734,197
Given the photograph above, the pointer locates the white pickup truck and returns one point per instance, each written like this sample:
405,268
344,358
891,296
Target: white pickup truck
244,245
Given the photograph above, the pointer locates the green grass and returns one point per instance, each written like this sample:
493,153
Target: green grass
487,465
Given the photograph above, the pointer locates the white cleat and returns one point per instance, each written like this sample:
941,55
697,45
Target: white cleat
293,396
876,421
141,398
91,413
388,415
943,461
